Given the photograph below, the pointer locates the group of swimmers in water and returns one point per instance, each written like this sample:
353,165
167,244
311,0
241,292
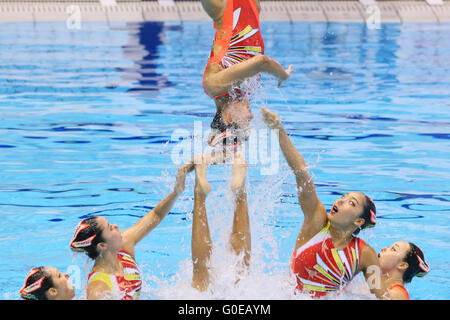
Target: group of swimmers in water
327,254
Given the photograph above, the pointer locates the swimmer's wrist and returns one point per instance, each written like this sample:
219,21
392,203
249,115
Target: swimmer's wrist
283,77
278,126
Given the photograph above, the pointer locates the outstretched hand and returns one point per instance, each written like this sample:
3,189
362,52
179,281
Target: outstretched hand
180,179
288,72
271,119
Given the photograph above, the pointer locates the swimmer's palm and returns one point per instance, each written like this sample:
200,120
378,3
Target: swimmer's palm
288,74
180,179
271,119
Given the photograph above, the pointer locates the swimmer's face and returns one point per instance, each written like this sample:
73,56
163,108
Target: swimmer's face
393,257
111,234
347,210
62,288
239,112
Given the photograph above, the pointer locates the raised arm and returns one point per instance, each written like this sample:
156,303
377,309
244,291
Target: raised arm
146,224
312,207
218,81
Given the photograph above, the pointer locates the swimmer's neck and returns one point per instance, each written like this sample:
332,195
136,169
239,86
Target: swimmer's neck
392,278
108,263
340,238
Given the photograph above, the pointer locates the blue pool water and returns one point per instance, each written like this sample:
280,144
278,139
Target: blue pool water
87,119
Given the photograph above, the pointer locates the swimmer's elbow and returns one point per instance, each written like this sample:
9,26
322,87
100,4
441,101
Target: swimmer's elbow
213,89
264,62
302,176
210,90
300,171
271,66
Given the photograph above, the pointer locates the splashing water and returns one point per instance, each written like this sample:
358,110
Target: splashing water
259,282
268,276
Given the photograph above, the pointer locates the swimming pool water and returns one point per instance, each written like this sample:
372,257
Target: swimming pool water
87,118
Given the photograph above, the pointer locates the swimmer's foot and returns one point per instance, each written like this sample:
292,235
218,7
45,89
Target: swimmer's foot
239,172
201,184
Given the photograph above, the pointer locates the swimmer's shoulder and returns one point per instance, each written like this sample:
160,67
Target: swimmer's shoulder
128,242
99,286
368,256
309,230
398,292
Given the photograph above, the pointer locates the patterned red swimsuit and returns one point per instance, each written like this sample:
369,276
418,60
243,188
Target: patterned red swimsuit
239,40
126,287
321,268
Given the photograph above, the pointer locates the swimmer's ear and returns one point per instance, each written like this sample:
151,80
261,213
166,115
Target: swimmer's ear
52,293
102,246
359,222
403,266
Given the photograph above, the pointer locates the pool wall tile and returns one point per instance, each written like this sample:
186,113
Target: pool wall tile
305,11
135,11
274,11
15,13
156,12
342,11
413,11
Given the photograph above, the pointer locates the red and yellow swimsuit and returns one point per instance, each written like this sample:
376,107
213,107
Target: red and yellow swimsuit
320,268
239,40
126,287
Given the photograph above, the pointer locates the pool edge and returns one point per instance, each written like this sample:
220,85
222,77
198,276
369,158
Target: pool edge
291,11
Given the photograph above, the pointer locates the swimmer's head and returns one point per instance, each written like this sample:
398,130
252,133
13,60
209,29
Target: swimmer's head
96,235
233,111
239,113
405,258
355,211
225,134
47,283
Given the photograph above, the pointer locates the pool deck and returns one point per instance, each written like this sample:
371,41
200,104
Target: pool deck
369,11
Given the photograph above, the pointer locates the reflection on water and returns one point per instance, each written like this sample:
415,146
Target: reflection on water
86,120
149,37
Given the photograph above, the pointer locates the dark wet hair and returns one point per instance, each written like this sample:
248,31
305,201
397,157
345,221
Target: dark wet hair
86,237
219,124
369,215
37,283
218,127
416,263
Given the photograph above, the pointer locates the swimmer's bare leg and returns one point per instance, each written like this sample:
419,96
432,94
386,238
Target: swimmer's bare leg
258,5
240,239
201,238
215,9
